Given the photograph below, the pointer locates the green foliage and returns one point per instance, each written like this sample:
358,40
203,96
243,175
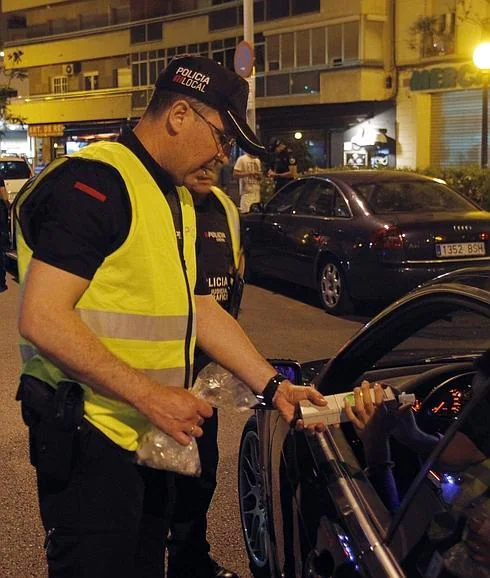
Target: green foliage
471,181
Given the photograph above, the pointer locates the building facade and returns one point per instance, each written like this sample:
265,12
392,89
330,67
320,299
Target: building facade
348,83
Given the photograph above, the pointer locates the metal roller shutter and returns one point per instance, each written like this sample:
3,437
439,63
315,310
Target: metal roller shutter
456,128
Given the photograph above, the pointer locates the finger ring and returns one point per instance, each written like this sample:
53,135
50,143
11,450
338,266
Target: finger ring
192,429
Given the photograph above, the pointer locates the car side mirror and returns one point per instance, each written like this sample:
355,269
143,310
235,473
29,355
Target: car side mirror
257,208
289,368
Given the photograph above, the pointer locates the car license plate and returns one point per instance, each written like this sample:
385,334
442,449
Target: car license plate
460,249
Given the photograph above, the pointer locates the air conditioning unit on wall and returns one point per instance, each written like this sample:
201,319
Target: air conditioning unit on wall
71,68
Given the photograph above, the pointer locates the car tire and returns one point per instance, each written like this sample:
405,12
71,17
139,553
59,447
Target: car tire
332,288
252,507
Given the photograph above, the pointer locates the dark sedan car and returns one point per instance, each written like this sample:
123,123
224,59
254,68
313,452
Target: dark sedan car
309,507
364,235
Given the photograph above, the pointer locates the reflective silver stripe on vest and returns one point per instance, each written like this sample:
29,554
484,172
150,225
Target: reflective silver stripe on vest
167,376
134,326
27,352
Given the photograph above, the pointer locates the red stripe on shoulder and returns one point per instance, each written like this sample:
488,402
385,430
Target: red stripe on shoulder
90,191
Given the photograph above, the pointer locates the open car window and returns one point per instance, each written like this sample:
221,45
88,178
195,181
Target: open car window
433,527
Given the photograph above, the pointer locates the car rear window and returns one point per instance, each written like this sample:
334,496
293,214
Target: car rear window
15,169
410,196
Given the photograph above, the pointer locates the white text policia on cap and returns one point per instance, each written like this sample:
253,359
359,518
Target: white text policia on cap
191,78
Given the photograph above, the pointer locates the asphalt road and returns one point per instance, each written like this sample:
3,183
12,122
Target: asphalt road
281,322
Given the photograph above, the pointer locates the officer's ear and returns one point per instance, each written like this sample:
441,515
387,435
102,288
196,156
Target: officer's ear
179,115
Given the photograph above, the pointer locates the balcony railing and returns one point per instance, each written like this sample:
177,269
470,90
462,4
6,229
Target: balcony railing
115,17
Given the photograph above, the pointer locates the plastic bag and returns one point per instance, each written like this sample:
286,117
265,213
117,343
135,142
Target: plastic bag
219,388
160,451
222,389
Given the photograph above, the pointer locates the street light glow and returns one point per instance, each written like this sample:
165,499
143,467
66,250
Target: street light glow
481,56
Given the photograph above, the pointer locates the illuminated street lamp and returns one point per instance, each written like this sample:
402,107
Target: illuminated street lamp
481,58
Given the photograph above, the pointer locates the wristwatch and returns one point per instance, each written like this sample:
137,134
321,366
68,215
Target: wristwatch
270,389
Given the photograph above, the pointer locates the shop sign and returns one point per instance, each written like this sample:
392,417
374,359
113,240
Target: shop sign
445,78
42,130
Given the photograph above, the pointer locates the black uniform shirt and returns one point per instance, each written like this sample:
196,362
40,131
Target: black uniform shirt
216,250
216,253
82,213
283,160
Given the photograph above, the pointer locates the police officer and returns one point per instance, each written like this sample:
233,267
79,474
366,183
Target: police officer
113,302
218,231
283,167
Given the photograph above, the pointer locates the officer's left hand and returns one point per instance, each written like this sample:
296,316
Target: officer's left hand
286,401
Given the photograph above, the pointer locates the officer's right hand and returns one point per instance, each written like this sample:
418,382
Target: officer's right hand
177,412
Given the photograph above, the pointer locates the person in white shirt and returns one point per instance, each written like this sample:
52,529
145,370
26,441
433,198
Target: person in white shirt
249,172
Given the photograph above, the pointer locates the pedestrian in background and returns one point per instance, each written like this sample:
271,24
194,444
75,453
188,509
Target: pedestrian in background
113,301
248,170
283,166
218,231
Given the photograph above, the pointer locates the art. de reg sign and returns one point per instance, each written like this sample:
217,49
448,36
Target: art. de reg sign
446,77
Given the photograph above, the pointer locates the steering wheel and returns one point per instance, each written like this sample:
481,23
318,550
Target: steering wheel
444,403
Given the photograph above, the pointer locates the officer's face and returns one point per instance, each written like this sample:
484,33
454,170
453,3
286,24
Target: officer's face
201,181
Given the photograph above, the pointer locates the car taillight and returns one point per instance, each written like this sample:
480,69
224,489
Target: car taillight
484,236
388,237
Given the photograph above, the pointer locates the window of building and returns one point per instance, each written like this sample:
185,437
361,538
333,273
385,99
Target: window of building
273,60
437,37
305,82
154,31
334,43
59,84
351,41
287,50
146,32
121,77
90,80
145,66
303,47
259,11
304,6
138,34
226,18
259,48
318,46
264,10
277,9
277,84
16,21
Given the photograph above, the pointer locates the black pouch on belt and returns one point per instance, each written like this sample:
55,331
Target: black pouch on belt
53,417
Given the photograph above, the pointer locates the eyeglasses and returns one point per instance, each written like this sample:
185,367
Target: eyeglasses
226,142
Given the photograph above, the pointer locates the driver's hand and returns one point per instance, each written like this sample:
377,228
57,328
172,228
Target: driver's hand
286,401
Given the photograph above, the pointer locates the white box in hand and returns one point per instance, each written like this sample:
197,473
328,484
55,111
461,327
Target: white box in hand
334,411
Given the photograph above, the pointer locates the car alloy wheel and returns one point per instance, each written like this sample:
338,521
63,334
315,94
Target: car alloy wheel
333,289
252,508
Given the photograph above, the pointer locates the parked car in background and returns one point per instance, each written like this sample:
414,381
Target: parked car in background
15,171
363,235
308,507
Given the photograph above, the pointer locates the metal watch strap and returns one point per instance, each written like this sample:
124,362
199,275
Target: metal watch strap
270,389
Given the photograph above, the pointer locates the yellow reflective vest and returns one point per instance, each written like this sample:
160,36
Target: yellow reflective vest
140,303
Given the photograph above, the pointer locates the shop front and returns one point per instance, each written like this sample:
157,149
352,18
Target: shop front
359,134
453,116
55,139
